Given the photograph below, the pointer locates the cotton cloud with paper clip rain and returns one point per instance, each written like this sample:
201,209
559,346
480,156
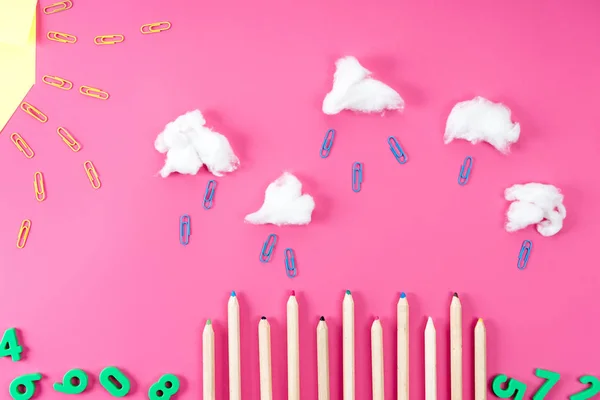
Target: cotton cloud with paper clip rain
480,120
354,89
189,144
535,203
284,204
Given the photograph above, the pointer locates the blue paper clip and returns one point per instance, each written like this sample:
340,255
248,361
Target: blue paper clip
290,263
209,194
465,171
267,249
524,254
397,151
357,176
327,143
184,229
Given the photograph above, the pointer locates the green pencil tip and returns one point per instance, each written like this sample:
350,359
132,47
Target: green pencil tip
208,322
348,292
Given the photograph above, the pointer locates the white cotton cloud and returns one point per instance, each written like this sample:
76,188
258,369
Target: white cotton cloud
535,203
284,204
480,120
189,144
354,89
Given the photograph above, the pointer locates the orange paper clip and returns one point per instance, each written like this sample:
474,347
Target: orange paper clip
22,145
23,233
38,186
155,27
68,139
61,37
108,39
93,92
57,82
58,7
90,170
34,112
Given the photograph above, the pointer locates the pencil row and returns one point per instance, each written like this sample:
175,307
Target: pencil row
348,357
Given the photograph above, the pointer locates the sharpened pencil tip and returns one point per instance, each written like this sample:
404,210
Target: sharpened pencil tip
455,294
233,293
429,321
348,292
208,322
263,317
293,293
376,318
480,321
402,295
322,318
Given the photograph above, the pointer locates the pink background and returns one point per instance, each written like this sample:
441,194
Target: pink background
104,281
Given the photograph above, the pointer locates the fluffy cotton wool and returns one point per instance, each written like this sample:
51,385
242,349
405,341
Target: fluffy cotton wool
284,204
354,89
535,203
480,120
189,144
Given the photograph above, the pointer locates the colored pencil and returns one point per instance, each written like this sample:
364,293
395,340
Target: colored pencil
208,362
456,384
264,359
430,361
480,361
377,360
323,359
293,348
348,346
403,346
233,343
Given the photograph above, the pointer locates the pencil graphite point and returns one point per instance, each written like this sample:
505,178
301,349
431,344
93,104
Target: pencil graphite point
376,318
322,318
263,317
402,295
208,322
480,320
429,321
455,294
348,292
293,293
233,293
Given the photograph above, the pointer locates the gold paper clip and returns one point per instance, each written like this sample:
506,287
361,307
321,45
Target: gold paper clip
155,27
93,92
58,7
90,170
57,82
38,186
108,39
68,139
23,233
34,112
61,37
22,145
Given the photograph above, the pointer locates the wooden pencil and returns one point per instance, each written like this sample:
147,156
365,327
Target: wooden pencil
456,384
264,359
323,359
430,361
233,344
377,377
293,348
348,346
480,361
403,346
208,362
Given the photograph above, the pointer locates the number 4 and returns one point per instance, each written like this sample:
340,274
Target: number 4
9,346
551,378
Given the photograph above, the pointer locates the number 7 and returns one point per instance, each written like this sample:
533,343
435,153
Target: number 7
551,378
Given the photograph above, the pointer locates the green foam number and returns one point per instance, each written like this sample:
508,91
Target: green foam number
75,381
9,346
166,387
115,382
23,387
551,378
591,391
514,388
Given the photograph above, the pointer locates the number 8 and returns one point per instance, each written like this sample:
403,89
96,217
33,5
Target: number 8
166,387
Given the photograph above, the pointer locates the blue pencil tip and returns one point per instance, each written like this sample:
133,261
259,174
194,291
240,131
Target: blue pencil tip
402,295
233,293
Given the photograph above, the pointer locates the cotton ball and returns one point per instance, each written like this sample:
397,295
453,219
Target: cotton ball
354,89
189,145
480,120
535,203
284,204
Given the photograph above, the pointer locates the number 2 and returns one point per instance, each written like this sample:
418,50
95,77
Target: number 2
589,392
9,345
551,379
514,388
